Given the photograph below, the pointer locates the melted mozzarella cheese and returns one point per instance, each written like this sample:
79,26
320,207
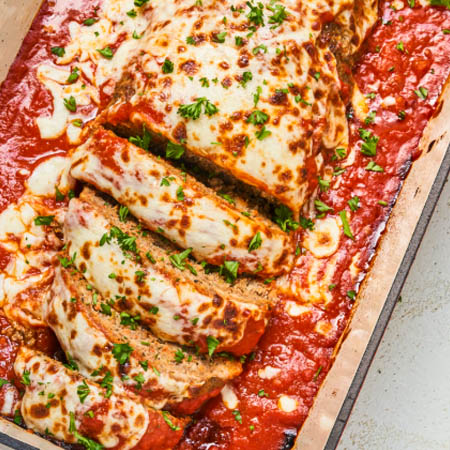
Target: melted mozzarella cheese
268,372
229,397
177,299
88,338
287,404
323,240
26,279
296,80
113,28
124,420
214,229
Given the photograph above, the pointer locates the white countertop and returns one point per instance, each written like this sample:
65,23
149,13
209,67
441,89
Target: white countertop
404,403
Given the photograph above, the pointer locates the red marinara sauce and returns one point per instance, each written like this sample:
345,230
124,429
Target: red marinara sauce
407,51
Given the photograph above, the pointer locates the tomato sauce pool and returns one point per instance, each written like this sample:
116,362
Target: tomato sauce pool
407,58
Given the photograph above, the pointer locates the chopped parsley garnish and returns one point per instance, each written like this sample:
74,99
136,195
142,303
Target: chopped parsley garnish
3,382
105,309
422,92
106,383
279,15
239,41
144,141
256,14
237,415
260,48
324,185
316,375
354,203
83,391
140,275
66,262
283,217
140,3
132,13
59,196
178,260
204,82
90,21
246,77
150,257
43,220
257,118
123,213
256,96
58,51
262,393
136,36
370,117
227,197
125,241
193,110
345,224
401,115
89,444
372,167
70,103
71,364
212,344
321,206
220,37
445,3
369,146
180,194
307,224
122,352
341,153
229,270
255,243
129,320
26,378
351,295
73,75
167,66
169,422
262,133
179,356
174,151
400,47
190,40
17,417
106,52
139,380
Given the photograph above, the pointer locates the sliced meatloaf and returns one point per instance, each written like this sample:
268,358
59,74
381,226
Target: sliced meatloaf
145,275
192,215
92,333
62,403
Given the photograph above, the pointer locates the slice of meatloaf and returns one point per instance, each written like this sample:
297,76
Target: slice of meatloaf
91,332
192,215
174,297
64,404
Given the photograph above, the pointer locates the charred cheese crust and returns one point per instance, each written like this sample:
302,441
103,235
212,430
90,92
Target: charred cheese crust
119,421
168,375
277,70
191,215
174,306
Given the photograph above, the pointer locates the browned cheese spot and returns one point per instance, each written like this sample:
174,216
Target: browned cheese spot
189,67
85,252
39,411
